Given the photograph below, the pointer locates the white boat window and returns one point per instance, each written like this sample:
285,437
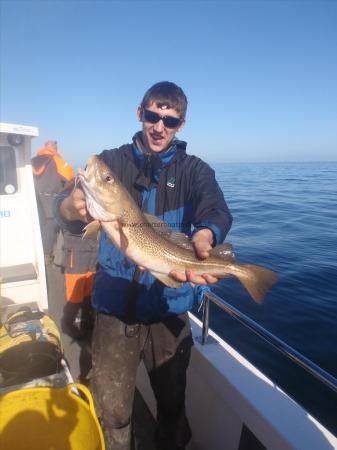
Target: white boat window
8,177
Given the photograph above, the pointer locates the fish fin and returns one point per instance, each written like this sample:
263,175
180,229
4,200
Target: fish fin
181,240
167,280
257,280
92,230
223,251
164,230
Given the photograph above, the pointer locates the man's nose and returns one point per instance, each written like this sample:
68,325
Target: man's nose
159,126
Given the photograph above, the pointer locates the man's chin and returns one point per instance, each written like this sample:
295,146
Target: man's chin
157,147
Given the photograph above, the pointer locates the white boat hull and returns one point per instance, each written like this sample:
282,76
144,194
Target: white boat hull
228,400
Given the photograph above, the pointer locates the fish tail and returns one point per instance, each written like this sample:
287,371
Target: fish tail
257,280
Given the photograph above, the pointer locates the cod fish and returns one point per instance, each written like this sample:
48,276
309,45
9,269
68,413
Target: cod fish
150,243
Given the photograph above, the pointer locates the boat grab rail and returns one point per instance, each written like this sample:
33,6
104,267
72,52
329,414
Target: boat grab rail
299,359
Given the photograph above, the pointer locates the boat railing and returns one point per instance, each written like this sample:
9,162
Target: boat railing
285,349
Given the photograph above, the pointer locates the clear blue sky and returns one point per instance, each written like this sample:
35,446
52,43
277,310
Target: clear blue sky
261,77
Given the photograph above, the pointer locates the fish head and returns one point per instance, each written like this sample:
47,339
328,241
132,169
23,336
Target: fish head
103,190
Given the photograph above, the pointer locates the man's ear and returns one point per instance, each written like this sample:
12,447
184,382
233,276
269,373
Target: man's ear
139,113
181,126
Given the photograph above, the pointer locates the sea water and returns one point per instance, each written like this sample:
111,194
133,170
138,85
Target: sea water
285,218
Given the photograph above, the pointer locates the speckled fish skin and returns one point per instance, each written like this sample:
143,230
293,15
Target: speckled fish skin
109,202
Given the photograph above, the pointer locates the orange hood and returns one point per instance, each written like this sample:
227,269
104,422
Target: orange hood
62,167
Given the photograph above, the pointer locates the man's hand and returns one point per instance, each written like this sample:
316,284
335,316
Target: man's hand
202,241
74,207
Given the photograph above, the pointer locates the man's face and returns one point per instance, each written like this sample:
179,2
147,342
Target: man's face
157,136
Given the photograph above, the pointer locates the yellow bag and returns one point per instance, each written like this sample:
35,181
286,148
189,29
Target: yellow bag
30,347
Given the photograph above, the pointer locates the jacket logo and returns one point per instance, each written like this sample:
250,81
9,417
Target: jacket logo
171,182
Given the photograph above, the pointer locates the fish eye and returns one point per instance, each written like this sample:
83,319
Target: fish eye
108,178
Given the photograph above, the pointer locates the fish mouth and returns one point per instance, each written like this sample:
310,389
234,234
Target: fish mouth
82,179
80,176
92,202
78,179
84,174
81,172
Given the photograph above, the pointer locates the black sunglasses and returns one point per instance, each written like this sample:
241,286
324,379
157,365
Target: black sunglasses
169,121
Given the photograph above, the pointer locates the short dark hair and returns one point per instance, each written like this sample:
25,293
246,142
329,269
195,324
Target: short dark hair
166,94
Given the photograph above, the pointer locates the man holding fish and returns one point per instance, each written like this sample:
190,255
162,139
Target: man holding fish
144,285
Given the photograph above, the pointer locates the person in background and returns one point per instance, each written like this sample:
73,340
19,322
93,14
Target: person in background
79,263
137,316
51,174
75,256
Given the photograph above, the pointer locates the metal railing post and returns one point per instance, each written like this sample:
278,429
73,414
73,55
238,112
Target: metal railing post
205,319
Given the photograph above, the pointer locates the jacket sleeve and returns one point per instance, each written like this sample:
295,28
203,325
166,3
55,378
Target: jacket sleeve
209,206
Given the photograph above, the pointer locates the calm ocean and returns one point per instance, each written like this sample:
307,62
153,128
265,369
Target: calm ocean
285,218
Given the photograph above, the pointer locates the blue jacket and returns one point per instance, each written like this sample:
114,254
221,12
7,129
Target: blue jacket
179,189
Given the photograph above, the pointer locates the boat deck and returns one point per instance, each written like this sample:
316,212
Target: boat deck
230,403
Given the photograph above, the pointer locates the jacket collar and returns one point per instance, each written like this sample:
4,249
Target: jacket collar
151,164
177,149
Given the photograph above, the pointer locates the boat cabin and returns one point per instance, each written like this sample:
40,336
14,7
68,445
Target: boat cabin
22,269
